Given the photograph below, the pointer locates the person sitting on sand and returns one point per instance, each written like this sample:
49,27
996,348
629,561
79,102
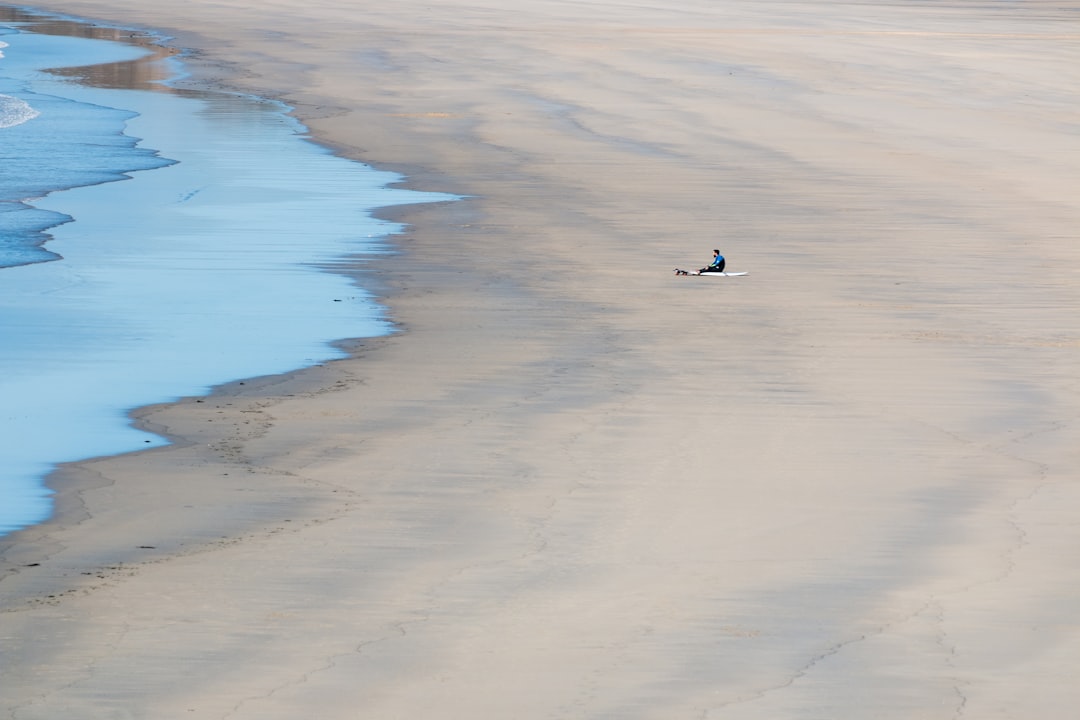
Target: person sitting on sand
717,264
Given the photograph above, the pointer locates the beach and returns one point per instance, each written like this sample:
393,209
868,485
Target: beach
574,484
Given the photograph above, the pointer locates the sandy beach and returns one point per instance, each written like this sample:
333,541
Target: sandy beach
575,485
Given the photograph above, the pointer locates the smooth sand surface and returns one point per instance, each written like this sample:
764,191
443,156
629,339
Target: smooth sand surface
577,486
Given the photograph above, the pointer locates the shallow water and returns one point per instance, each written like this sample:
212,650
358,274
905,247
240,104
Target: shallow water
51,142
206,264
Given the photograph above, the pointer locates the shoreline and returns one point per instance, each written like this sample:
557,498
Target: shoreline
240,249
514,507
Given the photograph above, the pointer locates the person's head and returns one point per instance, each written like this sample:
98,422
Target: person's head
715,252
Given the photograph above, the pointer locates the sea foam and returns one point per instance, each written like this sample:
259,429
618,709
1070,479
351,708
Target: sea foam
14,111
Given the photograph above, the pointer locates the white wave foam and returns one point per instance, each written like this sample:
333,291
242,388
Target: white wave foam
14,111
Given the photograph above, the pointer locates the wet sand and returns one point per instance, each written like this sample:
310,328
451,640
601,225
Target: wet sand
576,485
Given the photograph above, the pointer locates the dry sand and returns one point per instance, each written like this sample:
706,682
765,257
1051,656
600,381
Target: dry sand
575,486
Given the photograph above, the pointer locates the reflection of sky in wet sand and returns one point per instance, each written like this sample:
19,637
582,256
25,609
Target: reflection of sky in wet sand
180,278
